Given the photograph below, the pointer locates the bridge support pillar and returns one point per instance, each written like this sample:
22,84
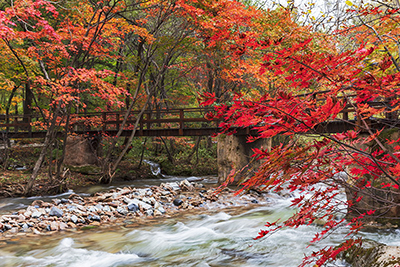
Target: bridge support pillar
235,154
82,151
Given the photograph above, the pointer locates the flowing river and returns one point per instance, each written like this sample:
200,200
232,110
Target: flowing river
218,238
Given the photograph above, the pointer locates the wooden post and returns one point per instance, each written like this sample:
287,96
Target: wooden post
104,115
7,122
141,126
346,113
16,128
29,125
148,115
181,117
117,124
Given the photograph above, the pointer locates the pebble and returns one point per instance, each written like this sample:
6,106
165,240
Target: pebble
56,212
178,202
112,207
36,214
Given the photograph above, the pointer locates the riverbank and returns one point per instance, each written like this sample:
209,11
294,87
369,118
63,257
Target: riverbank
119,206
16,169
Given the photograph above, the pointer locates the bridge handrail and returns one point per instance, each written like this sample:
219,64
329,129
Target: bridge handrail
151,119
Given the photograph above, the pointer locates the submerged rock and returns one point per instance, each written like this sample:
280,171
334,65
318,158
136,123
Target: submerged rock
178,202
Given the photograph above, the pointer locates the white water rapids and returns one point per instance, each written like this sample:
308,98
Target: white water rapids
223,238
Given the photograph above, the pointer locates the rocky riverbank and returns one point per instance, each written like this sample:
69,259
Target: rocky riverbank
373,254
116,206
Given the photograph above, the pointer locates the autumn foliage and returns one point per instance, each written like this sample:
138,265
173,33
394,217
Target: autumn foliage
259,68
357,87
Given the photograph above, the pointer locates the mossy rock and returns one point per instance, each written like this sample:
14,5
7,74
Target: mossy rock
372,254
86,169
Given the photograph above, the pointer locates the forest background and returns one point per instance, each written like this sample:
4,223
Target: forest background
247,60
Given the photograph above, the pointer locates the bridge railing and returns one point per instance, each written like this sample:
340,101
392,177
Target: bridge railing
162,119
113,120
18,123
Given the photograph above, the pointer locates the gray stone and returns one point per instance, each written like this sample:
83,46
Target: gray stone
106,208
74,219
144,192
54,226
56,212
133,207
25,227
157,205
36,214
157,213
122,211
144,206
63,226
162,210
141,204
71,208
92,209
186,185
147,200
171,186
149,212
94,218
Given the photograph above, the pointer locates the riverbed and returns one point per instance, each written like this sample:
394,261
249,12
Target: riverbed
206,238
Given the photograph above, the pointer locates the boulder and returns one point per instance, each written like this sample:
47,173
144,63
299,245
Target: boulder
373,254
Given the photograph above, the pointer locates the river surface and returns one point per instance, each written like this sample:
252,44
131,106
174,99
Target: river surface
218,238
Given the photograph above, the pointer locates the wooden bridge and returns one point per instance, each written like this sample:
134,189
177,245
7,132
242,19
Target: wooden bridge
171,122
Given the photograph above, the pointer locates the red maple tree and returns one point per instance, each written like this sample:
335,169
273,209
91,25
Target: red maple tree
361,158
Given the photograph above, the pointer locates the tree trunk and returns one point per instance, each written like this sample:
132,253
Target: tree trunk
47,141
28,102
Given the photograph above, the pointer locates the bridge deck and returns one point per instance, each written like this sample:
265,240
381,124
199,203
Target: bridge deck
172,122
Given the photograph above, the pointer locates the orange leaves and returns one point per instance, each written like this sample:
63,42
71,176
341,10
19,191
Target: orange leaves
367,111
143,33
